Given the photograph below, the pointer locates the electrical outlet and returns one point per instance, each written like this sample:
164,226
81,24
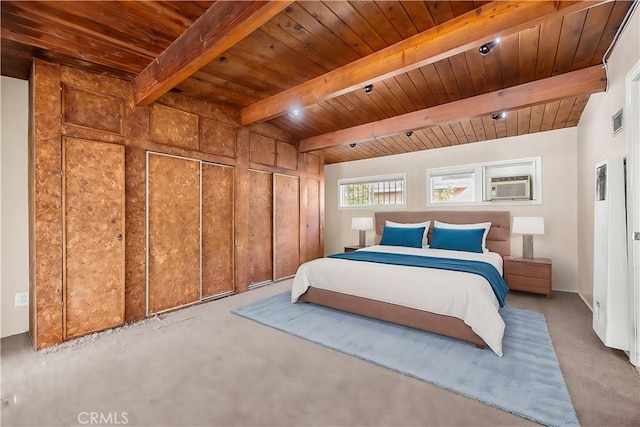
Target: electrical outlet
22,298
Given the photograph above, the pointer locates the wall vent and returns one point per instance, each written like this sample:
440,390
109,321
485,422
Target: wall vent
616,121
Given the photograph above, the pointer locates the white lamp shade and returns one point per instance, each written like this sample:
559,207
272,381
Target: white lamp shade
362,223
528,225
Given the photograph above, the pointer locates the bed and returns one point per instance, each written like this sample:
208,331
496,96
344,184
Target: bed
455,304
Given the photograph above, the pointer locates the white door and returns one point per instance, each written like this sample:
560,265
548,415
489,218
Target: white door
631,113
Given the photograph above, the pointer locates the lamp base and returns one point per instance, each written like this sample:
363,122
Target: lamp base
527,246
363,239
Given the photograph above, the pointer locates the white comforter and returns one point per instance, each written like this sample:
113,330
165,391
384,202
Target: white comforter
466,296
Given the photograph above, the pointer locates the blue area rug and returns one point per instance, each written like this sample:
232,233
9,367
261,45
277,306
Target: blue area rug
526,381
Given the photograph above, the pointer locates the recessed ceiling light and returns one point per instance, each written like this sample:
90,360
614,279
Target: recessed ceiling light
409,134
293,113
368,88
352,145
498,116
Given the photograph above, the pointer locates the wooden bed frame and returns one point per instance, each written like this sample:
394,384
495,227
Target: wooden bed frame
498,240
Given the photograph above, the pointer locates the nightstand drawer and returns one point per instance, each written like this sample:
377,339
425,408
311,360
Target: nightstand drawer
528,269
528,284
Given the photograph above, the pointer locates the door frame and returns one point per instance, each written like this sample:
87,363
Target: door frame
632,132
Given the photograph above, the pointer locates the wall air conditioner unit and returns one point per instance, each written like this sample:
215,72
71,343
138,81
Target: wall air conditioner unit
511,188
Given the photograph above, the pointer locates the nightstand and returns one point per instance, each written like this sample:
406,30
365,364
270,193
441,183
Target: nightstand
528,275
352,248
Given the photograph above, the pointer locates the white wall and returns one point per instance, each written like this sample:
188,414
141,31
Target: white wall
14,232
596,143
559,162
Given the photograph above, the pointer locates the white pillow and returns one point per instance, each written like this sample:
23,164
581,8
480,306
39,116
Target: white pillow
425,239
485,225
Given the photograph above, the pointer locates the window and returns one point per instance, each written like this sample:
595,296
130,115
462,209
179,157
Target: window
476,184
376,191
453,187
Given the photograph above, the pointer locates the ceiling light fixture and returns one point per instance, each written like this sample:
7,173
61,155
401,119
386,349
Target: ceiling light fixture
368,88
486,48
352,145
409,134
293,113
498,116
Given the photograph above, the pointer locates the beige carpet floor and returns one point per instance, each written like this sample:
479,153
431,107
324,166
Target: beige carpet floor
205,366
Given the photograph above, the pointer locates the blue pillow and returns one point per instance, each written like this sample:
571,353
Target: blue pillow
455,239
396,236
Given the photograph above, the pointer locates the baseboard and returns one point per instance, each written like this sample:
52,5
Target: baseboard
571,291
259,285
585,302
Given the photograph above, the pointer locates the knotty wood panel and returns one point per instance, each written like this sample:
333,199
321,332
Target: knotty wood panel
94,221
217,138
173,216
287,156
173,127
262,149
217,229
45,199
313,164
313,241
260,251
286,196
92,110
135,263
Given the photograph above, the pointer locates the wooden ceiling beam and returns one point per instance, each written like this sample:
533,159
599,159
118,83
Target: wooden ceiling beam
220,27
582,82
467,31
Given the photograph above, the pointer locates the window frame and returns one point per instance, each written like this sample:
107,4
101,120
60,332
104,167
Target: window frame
371,180
482,181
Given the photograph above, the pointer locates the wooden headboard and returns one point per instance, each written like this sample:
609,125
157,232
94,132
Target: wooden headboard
498,239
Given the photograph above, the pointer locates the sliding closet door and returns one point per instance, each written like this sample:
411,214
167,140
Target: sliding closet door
217,229
93,221
173,221
286,225
260,227
313,249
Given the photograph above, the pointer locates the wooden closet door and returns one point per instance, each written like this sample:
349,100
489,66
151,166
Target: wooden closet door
217,229
286,196
260,251
93,221
313,249
173,221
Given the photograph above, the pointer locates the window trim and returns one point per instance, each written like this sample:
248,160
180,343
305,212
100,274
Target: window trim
371,179
480,182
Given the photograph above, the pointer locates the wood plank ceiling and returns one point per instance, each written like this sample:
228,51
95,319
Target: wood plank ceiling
299,41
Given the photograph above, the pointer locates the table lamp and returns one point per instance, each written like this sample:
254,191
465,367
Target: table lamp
362,224
527,226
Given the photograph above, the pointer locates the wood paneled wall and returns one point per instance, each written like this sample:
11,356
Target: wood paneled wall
70,103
